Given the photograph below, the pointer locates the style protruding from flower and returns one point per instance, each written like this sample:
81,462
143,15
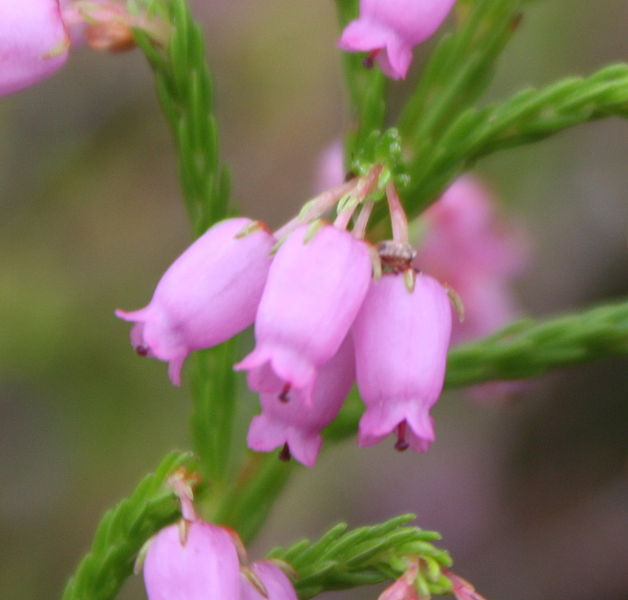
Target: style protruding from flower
401,336
209,294
389,30
36,35
296,423
316,284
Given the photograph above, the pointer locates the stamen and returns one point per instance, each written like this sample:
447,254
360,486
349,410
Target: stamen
284,454
369,59
402,444
141,350
284,395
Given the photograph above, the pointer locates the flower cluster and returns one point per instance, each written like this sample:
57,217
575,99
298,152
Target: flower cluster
322,320
36,35
197,560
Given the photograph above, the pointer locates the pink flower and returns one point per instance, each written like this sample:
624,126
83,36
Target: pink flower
296,421
33,42
276,585
315,287
391,28
404,588
203,566
468,246
401,340
207,295
36,35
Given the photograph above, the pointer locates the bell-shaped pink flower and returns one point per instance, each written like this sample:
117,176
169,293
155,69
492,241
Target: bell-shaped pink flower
207,295
401,340
315,287
391,28
33,42
295,421
203,565
276,584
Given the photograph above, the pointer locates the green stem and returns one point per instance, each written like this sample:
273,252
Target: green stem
185,92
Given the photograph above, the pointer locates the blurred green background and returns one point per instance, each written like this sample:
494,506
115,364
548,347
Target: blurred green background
530,494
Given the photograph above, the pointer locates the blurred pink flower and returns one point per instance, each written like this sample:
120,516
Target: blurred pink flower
315,287
469,247
206,296
202,566
33,42
297,423
276,584
391,28
36,35
401,339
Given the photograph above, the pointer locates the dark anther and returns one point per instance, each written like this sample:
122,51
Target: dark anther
284,454
402,443
284,395
141,350
369,59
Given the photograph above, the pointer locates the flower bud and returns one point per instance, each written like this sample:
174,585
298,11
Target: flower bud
401,340
206,296
391,28
294,420
203,566
33,42
276,585
315,287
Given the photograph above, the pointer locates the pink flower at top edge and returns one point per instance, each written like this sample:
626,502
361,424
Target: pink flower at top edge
209,294
401,339
389,29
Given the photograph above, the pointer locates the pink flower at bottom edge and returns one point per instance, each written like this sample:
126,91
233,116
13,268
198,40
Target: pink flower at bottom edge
204,566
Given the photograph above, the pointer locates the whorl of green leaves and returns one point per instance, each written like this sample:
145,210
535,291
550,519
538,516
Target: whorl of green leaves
185,92
343,559
123,531
458,70
529,116
529,348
